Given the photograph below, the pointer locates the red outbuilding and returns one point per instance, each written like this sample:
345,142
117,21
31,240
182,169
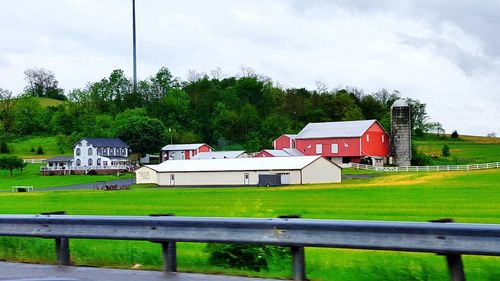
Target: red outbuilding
342,142
284,141
183,151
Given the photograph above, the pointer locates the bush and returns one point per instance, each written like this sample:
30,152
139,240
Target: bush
249,257
454,135
32,149
4,148
445,151
419,132
418,158
39,151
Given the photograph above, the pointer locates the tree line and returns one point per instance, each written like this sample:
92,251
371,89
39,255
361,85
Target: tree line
246,111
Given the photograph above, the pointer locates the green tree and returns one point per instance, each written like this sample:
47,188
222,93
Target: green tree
11,163
42,83
7,105
143,134
445,151
454,134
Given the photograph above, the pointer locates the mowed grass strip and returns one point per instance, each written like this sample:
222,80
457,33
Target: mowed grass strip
31,177
465,196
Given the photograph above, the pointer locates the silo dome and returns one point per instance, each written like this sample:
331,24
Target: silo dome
400,103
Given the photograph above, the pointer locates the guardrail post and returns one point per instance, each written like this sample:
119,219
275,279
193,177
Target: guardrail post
455,267
168,250
62,245
298,256
454,261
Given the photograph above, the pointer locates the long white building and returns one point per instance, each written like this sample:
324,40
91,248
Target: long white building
240,171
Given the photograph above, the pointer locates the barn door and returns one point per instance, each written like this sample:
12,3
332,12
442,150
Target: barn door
246,179
172,179
285,178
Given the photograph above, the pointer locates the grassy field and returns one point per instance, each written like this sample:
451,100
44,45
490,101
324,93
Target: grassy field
464,196
464,150
31,177
46,102
22,147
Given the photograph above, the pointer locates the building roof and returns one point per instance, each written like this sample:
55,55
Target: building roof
60,159
105,142
236,164
400,103
185,146
335,129
218,155
286,152
292,136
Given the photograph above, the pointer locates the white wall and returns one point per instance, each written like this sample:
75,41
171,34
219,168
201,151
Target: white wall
146,175
321,171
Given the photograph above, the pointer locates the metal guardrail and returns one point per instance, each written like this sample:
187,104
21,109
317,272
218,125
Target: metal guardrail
449,239
471,167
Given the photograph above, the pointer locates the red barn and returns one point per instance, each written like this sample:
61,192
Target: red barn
183,151
344,142
284,141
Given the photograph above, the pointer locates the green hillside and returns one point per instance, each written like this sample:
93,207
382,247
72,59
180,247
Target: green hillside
52,146
46,102
464,150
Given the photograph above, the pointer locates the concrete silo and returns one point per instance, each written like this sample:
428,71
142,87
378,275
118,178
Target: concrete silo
401,133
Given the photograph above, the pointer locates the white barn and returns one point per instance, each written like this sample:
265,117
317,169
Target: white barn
240,171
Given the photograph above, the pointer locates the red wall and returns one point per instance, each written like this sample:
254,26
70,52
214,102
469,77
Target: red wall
374,146
203,148
264,153
282,142
346,146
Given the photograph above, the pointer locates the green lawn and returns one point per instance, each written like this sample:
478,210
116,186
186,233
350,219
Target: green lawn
465,196
22,147
465,150
46,102
31,177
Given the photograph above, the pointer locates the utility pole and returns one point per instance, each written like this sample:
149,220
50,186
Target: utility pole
133,35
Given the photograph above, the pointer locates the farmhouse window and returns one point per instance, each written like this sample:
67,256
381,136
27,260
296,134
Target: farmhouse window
383,138
99,151
78,152
105,163
90,162
98,161
90,151
111,152
335,148
124,153
78,162
367,138
319,148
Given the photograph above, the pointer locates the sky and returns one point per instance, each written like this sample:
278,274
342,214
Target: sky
444,53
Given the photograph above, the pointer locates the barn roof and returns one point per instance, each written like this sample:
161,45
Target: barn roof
341,129
184,146
292,136
286,152
218,155
236,164
105,142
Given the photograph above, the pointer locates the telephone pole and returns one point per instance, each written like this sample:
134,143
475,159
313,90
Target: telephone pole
133,39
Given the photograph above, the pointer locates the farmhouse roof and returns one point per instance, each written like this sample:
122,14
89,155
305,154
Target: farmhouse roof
292,136
335,129
219,154
236,164
105,142
60,159
185,146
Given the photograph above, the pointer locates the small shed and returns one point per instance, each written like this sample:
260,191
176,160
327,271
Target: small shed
240,171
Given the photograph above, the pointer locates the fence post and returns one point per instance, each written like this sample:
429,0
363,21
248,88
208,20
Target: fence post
298,256
168,249
62,245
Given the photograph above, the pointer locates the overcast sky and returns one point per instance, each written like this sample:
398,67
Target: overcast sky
445,53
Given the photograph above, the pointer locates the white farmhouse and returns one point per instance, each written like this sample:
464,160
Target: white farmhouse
102,155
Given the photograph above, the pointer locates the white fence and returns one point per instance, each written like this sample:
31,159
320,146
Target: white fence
471,167
35,161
